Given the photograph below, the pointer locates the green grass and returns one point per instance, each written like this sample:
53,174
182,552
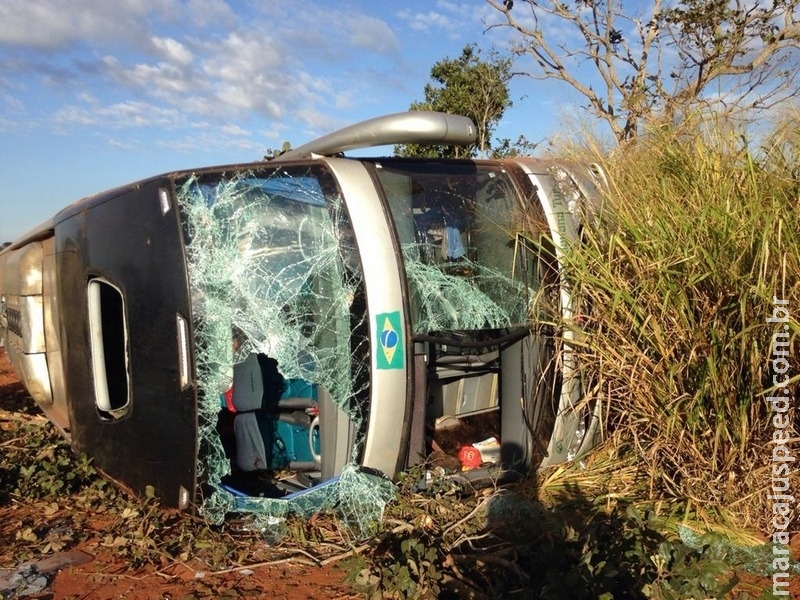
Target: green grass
677,275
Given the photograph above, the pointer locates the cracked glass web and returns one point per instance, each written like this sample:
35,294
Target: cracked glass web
467,265
273,270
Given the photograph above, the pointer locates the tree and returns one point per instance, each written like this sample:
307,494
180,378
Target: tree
275,152
470,87
737,57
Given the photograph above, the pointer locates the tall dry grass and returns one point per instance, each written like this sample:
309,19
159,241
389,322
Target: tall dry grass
677,274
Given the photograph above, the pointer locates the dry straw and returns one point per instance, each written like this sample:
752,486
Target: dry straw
676,276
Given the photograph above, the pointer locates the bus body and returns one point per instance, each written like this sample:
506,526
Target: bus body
253,329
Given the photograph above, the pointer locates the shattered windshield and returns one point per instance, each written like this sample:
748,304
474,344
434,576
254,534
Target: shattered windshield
460,245
274,273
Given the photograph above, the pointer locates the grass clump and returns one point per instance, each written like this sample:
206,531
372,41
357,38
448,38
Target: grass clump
677,275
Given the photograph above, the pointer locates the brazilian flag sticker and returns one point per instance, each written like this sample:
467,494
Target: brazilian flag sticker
391,351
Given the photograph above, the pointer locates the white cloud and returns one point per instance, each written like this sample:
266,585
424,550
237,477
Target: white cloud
162,80
11,104
316,121
126,144
11,125
172,50
50,25
425,21
119,115
369,33
273,63
249,71
207,13
219,140
54,24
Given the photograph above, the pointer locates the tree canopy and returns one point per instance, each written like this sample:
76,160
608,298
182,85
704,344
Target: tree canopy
466,86
635,63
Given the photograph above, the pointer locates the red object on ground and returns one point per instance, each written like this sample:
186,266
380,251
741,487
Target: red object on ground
470,457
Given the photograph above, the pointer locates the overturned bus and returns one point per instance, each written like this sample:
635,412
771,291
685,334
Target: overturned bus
250,331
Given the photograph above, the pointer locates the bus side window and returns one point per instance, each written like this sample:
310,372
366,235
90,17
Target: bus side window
108,334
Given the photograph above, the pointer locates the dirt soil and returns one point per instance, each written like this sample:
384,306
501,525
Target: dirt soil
90,568
93,570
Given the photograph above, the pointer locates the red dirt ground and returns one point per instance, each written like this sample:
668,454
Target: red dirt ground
106,576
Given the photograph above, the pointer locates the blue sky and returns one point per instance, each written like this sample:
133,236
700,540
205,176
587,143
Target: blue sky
99,93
